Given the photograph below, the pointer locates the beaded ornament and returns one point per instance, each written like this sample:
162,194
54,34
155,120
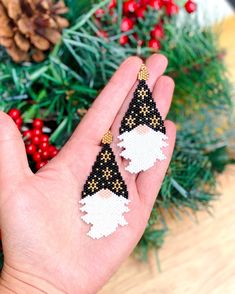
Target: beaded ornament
142,130
105,195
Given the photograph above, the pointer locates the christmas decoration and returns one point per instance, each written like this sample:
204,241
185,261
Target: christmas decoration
156,4
112,4
16,116
29,28
136,11
127,24
105,195
130,6
123,40
60,89
37,145
142,131
190,6
157,32
171,8
155,45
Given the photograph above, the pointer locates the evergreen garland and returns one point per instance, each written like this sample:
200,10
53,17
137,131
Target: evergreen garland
65,84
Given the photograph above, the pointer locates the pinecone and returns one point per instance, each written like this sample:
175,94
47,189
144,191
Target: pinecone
28,28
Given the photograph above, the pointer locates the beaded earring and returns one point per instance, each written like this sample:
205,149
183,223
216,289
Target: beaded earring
105,195
142,130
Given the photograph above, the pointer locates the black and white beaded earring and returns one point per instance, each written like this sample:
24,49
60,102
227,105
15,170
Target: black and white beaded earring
142,130
105,195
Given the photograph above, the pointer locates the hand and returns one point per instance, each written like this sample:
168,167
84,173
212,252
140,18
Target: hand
45,244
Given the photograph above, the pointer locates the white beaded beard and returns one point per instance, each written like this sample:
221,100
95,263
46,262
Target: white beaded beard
142,149
104,213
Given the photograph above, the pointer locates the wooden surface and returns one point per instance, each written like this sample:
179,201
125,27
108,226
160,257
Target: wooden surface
196,258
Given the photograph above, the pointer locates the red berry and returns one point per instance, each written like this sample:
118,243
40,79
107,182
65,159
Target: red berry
53,151
171,9
112,4
144,2
157,32
38,123
27,135
19,122
36,132
14,113
129,6
44,146
102,34
154,44
99,13
44,138
190,6
36,140
126,24
156,4
37,157
123,40
40,164
45,154
40,151
140,12
52,148
30,149
165,2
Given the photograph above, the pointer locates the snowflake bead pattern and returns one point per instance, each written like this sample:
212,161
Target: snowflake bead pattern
142,130
105,174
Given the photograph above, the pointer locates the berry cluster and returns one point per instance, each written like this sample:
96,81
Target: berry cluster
37,145
133,10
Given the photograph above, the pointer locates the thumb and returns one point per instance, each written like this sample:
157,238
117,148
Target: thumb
13,160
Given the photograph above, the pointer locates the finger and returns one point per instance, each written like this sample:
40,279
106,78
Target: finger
156,64
149,182
13,159
163,93
101,114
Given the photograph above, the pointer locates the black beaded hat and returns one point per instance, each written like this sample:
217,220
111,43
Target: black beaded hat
142,108
105,173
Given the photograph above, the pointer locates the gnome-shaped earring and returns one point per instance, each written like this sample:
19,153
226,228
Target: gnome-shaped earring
105,195
142,131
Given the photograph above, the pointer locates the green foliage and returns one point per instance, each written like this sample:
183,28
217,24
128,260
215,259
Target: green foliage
80,66
77,7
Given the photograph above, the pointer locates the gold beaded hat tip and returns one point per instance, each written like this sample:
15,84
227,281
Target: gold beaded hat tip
143,74
107,138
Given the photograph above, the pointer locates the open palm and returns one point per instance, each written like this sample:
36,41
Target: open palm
45,244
